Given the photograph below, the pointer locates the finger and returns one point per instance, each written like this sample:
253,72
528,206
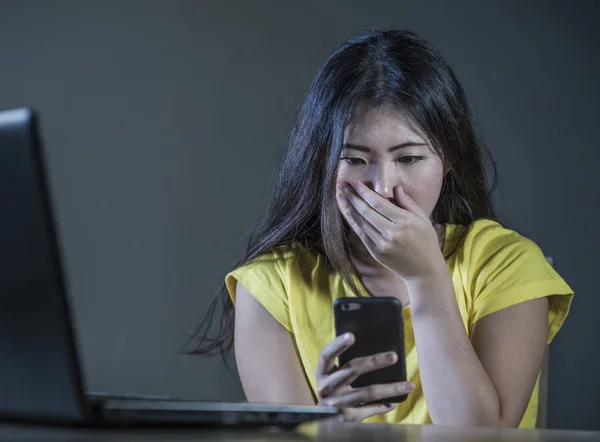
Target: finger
372,393
351,216
366,229
366,364
359,414
333,383
407,203
331,351
378,203
353,369
379,221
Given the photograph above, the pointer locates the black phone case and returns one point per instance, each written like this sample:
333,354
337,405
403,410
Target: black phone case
377,327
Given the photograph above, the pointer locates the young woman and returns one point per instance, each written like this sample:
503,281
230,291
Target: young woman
382,192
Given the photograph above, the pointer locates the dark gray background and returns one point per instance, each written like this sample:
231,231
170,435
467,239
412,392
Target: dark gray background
163,121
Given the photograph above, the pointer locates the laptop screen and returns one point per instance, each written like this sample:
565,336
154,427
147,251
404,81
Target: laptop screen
39,372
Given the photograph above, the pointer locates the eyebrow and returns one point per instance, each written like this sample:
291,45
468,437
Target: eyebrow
390,149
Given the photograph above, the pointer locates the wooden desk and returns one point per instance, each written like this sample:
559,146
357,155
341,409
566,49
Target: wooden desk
327,431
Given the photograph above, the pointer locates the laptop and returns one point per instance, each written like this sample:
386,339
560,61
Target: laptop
40,374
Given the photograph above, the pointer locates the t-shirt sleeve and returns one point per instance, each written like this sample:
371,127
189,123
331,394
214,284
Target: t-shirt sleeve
263,277
508,269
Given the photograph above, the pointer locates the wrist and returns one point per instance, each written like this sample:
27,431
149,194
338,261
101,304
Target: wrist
431,294
437,274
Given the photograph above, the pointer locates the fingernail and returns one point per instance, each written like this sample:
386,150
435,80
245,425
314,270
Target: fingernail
392,357
347,338
410,386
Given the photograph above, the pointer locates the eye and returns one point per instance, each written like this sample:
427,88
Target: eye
353,161
410,159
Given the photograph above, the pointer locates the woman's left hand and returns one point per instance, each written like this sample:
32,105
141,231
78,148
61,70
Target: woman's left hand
401,238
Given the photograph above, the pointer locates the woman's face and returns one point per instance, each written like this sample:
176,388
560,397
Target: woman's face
383,150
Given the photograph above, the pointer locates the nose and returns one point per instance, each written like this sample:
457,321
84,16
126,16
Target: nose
382,178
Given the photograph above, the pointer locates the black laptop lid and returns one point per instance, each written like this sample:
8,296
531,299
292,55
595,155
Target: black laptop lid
39,372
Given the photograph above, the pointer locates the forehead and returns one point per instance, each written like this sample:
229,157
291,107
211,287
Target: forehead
381,125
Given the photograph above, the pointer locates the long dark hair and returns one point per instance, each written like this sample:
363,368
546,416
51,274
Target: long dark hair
377,68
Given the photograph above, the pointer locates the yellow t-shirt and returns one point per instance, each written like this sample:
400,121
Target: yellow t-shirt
492,268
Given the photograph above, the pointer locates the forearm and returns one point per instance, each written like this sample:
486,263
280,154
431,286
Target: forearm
457,389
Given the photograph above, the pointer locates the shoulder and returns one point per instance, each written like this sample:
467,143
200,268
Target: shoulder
500,268
487,240
273,276
276,268
281,259
495,259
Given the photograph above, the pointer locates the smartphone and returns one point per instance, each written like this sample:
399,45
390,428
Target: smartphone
377,326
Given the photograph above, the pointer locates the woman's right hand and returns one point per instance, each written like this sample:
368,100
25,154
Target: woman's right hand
333,383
